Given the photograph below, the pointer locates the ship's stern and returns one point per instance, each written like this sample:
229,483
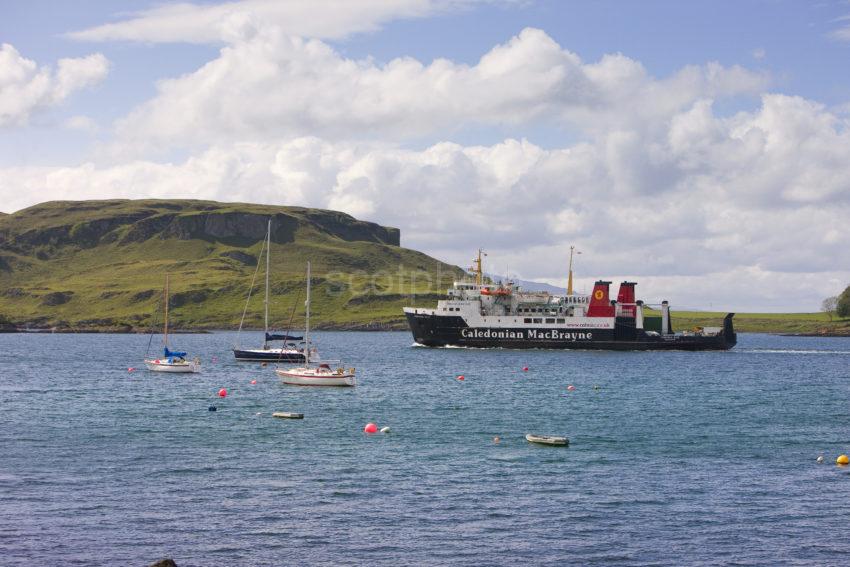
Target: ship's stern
729,335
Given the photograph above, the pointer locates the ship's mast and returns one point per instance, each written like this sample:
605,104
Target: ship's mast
477,268
570,276
307,322
165,331
268,255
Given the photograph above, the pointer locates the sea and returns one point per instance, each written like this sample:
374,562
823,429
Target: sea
675,458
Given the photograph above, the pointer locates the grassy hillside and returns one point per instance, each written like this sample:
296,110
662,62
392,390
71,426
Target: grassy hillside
101,264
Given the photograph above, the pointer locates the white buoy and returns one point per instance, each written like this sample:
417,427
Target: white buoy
820,459
288,415
385,430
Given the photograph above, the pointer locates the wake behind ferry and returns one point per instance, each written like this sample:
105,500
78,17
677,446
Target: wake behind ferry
482,315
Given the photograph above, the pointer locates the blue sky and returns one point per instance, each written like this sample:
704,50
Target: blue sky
700,147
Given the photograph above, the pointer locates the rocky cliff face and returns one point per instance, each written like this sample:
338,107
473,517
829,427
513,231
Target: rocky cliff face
125,222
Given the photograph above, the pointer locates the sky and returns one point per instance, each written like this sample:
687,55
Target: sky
701,149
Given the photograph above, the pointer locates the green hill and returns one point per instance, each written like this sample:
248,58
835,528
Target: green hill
95,265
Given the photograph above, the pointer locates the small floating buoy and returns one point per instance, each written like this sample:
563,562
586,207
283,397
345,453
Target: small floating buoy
496,439
461,378
842,460
820,459
596,387
385,430
222,393
525,368
131,369
253,381
212,408
370,428
215,359
288,415
571,387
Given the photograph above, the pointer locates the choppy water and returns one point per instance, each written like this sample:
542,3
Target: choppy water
676,458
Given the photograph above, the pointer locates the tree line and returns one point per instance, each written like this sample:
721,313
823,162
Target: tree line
839,304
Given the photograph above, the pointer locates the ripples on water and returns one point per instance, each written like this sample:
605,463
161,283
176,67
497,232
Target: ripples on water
675,458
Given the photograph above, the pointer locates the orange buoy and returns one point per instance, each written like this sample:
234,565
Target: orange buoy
461,378
222,393
370,428
571,387
525,368
131,369
253,381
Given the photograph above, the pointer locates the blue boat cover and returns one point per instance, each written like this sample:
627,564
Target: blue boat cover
282,337
168,353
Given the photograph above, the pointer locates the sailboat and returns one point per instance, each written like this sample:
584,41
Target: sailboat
320,374
286,352
171,361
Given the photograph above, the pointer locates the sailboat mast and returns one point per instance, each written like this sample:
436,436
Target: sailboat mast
268,255
307,323
165,333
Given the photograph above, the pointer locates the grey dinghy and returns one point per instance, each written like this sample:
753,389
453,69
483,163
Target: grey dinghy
547,440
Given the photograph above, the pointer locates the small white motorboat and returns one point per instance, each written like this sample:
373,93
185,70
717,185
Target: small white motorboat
321,375
547,440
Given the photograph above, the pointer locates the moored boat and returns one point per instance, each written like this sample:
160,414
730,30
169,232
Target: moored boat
320,374
547,440
288,351
171,361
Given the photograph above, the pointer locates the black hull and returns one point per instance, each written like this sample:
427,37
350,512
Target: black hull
440,331
250,356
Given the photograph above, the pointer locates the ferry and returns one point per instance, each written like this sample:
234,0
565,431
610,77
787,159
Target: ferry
486,315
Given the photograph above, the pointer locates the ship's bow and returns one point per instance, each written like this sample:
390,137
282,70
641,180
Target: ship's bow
421,323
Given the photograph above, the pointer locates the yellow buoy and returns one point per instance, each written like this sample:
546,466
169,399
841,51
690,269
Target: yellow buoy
842,459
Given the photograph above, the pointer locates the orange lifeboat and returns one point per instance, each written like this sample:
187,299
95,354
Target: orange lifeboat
498,292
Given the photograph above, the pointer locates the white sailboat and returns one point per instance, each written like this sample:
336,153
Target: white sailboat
321,373
285,353
171,361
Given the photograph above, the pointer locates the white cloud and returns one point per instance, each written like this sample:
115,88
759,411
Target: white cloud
25,87
234,21
748,210
842,33
275,85
81,123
